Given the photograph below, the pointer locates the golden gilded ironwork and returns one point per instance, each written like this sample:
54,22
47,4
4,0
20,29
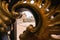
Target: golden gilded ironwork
50,16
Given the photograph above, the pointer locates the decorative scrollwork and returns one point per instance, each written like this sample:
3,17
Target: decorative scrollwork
47,24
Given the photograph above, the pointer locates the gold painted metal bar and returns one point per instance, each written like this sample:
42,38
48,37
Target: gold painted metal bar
3,26
47,4
5,18
28,1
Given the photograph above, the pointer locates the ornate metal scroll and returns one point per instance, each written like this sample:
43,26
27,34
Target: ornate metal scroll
48,21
